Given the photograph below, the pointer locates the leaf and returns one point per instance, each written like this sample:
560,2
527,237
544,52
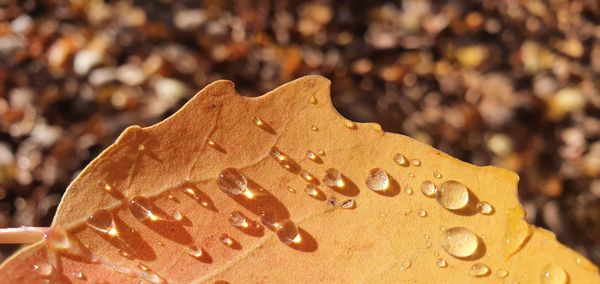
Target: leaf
394,235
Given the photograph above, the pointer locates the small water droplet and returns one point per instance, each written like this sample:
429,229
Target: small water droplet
428,188
106,186
408,190
122,269
161,244
440,262
79,275
150,277
501,273
288,232
378,180
405,264
415,162
311,190
195,252
143,267
460,242
43,269
553,274
142,209
348,204
485,208
437,175
125,254
411,174
257,121
311,155
422,213
428,244
238,220
401,160
479,269
442,228
333,178
214,145
290,189
103,221
427,236
349,124
314,128
436,254
452,195
226,240
312,99
307,176
177,215
232,182
332,201
321,152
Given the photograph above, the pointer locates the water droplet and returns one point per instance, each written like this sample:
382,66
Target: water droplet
62,241
333,178
314,128
275,153
106,186
214,145
479,269
348,204
142,209
288,232
422,213
332,201
553,274
377,128
442,228
226,240
408,190
238,220
436,254
161,244
321,152
125,254
378,180
257,121
415,162
311,190
349,124
401,160
269,221
440,262
405,264
428,244
290,189
195,252
43,269
307,176
79,275
485,208
437,175
312,99
428,188
311,155
232,182
501,273
283,160
460,242
143,267
122,269
452,195
177,215
103,221
411,174
427,236
150,277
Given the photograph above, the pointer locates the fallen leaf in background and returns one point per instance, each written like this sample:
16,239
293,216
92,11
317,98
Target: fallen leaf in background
281,188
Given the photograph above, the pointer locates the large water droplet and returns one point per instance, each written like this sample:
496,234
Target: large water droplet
142,209
103,221
428,188
460,242
238,220
378,180
269,221
401,160
553,274
452,195
232,182
288,232
333,178
479,269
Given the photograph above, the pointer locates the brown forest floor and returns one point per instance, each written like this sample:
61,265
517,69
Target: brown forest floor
490,82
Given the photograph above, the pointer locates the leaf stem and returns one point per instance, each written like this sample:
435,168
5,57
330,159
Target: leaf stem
23,235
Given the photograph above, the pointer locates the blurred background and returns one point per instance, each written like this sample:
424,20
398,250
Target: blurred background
503,82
